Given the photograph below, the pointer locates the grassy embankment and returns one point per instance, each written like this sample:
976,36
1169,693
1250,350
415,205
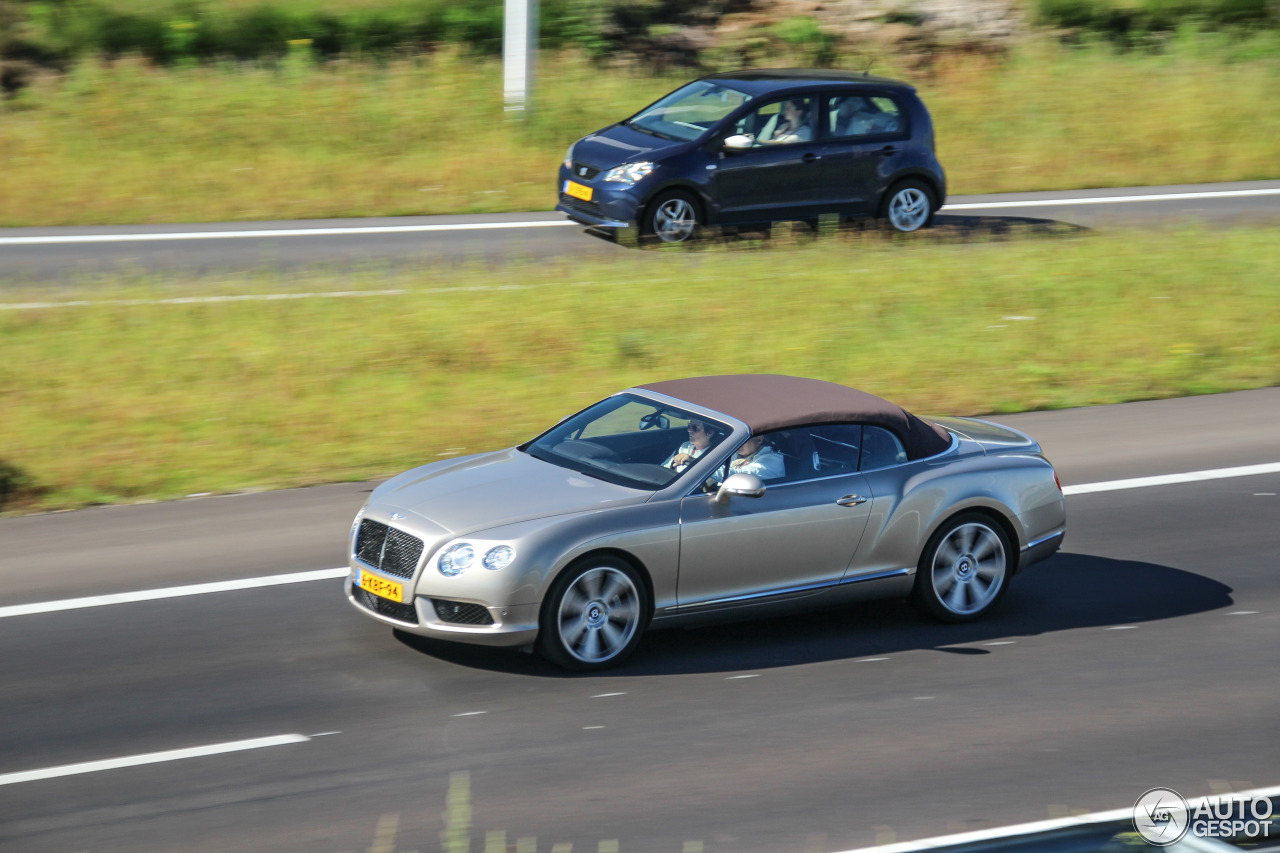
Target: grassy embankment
131,143
116,402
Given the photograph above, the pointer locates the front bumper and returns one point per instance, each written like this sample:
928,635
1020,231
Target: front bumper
612,205
512,625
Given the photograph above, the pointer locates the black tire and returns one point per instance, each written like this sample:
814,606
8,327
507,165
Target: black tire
965,569
673,217
909,206
593,615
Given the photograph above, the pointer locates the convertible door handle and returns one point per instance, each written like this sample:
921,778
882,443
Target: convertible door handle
851,500
811,158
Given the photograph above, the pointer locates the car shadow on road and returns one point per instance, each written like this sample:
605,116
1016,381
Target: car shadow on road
947,227
1067,592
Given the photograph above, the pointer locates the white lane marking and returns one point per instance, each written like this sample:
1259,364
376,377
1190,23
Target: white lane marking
170,592
1170,479
1112,199
325,574
149,758
1264,494
1002,643
1039,826
869,660
603,695
1121,628
923,697
470,714
589,728
1242,613
61,239
736,677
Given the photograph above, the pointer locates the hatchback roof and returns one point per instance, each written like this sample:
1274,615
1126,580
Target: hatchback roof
767,402
768,80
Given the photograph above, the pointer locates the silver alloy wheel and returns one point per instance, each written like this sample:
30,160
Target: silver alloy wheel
909,209
598,615
674,221
968,568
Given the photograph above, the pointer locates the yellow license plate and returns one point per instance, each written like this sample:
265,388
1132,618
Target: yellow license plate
577,190
380,587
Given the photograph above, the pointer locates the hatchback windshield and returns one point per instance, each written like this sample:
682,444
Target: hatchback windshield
689,111
630,441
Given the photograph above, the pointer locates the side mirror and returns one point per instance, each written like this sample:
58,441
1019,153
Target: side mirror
738,142
743,485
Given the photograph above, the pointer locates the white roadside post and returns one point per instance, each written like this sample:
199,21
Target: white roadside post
519,46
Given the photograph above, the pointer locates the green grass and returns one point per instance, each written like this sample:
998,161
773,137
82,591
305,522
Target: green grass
132,143
124,399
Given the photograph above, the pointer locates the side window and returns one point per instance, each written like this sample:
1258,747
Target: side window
880,448
779,123
836,448
859,115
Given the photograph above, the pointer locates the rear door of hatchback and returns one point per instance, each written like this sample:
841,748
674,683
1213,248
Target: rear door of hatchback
864,134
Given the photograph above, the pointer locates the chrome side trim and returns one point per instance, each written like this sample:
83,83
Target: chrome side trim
892,573
1045,539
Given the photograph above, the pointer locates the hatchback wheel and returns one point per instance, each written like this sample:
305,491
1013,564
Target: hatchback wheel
964,569
593,616
673,218
909,206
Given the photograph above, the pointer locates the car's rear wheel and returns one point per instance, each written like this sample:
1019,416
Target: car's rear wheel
673,217
909,206
964,570
593,615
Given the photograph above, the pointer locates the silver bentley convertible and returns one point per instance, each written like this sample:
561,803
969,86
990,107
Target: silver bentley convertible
709,498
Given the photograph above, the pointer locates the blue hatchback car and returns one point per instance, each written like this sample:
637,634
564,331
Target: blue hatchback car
754,147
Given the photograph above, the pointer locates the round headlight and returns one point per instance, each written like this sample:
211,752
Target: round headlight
499,557
457,559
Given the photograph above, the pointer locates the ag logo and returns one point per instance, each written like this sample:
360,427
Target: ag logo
1160,816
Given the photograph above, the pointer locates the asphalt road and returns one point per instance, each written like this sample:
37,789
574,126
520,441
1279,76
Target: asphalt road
48,255
1142,656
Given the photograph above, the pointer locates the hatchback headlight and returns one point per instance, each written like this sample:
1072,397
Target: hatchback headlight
456,559
628,173
568,158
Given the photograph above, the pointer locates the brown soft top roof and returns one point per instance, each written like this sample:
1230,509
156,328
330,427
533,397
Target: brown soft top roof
767,402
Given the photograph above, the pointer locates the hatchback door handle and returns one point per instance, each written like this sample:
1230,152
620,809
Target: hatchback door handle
851,500
811,157
889,149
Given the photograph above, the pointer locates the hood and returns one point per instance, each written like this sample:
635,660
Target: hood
495,489
618,144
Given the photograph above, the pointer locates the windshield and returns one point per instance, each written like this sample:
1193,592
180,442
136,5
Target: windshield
689,111
630,441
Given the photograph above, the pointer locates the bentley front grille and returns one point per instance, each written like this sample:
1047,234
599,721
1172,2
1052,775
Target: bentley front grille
387,549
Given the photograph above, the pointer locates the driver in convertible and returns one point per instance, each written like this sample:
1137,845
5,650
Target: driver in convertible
699,442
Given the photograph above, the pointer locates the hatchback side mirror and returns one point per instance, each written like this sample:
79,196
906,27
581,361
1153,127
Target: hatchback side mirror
738,142
743,485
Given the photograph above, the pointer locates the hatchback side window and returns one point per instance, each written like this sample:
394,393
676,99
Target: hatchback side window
859,115
784,122
880,448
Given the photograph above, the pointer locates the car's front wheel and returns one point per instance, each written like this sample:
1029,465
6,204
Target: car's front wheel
593,615
964,569
673,217
909,206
